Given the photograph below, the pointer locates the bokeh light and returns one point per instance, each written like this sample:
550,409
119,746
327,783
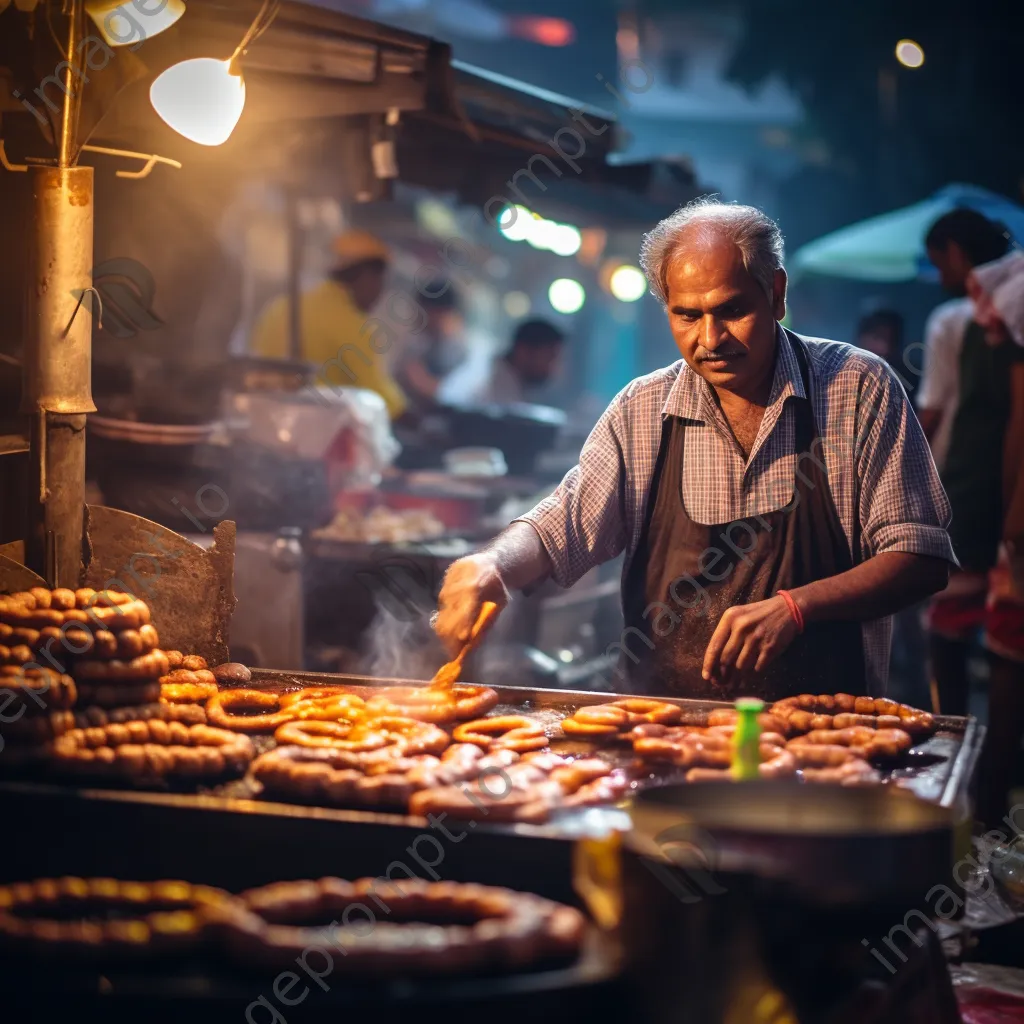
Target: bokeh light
628,283
909,53
566,295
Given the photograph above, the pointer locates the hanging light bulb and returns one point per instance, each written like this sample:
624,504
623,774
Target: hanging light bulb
203,98
121,22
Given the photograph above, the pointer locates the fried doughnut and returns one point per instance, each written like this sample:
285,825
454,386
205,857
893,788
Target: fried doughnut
342,706
529,790
188,714
115,695
432,929
221,708
40,689
432,703
337,735
147,667
821,755
643,709
101,917
767,721
194,663
313,693
412,735
144,752
596,720
183,687
806,710
868,744
184,693
854,772
850,719
13,636
690,747
781,765
174,658
511,732
38,729
20,654
343,779
23,616
101,643
231,673
86,597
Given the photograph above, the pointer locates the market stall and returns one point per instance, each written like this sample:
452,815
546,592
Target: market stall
190,832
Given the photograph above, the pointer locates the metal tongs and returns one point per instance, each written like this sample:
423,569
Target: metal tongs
449,673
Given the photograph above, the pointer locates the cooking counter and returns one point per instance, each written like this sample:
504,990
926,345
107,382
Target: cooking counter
227,835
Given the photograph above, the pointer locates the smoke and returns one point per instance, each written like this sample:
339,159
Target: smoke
400,647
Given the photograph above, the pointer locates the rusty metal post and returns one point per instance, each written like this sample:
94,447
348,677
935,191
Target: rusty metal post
57,388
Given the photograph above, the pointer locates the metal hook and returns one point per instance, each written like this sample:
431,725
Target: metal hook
7,163
81,299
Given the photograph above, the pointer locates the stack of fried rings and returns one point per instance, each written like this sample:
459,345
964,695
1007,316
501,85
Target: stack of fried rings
153,750
617,717
189,680
108,634
69,916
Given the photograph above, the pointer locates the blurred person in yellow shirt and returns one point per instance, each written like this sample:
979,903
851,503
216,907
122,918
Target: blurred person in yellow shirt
337,334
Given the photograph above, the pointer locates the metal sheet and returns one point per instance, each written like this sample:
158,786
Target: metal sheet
188,588
15,576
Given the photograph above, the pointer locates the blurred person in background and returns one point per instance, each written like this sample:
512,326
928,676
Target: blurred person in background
971,403
333,316
997,295
532,362
436,349
882,332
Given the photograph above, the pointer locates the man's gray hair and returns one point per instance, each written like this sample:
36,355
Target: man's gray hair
756,235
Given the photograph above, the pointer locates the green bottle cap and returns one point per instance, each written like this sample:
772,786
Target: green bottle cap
746,744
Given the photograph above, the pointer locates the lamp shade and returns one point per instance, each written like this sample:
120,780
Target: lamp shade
201,99
128,22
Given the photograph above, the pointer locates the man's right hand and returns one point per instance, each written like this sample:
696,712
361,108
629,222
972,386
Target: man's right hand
468,583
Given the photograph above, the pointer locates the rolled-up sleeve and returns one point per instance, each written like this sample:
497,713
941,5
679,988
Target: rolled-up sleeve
583,523
901,503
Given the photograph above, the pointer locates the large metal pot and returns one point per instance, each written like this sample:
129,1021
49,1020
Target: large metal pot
761,901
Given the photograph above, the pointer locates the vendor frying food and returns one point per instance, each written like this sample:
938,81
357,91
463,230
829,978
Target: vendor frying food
774,495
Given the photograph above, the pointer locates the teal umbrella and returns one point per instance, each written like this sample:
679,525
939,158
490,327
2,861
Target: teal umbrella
891,247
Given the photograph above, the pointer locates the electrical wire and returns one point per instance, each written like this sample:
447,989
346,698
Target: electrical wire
268,11
53,32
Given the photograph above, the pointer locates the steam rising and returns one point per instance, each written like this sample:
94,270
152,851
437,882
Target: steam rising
401,647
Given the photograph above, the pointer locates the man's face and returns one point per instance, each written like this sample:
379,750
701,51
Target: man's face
721,318
539,365
953,267
368,285
879,341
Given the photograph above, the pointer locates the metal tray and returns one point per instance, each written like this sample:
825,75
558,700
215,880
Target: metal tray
224,836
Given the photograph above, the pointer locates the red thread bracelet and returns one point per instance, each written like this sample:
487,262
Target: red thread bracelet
794,609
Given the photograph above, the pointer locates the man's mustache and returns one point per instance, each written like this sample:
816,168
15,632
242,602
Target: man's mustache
727,352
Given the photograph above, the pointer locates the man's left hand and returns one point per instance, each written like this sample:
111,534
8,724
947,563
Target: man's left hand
749,637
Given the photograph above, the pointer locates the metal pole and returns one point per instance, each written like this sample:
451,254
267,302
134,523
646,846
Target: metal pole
295,240
57,386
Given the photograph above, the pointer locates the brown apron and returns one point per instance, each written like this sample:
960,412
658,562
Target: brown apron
683,576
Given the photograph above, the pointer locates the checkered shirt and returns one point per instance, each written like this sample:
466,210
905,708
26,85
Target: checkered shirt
880,471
